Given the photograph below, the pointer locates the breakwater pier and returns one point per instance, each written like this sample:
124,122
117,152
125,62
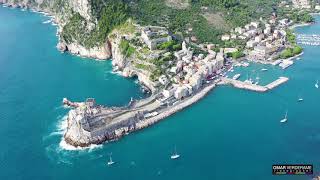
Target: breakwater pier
90,123
253,87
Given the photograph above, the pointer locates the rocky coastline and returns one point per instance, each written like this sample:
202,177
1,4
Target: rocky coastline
102,52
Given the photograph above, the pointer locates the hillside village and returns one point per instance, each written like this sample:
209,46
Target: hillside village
263,40
178,68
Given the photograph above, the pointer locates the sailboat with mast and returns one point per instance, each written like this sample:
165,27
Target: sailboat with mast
110,162
300,99
257,79
175,155
285,119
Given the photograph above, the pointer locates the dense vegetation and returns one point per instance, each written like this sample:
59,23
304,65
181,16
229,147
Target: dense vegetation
301,17
290,52
234,12
294,50
197,20
236,55
291,37
109,16
237,12
125,48
170,45
74,29
295,15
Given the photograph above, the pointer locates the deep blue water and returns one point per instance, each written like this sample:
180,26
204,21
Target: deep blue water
220,137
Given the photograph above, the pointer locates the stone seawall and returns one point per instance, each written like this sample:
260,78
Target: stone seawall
78,137
175,108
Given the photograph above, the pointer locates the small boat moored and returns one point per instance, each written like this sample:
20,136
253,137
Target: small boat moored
235,77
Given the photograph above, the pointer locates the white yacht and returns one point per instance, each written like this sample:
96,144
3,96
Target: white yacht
317,84
175,155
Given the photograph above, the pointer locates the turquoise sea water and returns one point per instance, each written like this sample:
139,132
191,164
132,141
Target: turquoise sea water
220,137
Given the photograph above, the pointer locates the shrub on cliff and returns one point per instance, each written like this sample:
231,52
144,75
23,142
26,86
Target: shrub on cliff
125,48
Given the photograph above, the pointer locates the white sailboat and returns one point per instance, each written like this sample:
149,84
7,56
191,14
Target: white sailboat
257,79
285,119
300,99
175,155
317,84
110,162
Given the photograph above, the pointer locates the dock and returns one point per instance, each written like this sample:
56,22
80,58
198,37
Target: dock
253,87
277,82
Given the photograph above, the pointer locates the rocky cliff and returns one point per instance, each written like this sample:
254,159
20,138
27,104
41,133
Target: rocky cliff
124,63
64,12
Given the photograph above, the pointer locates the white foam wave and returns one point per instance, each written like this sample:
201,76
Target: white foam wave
61,129
47,22
65,146
62,124
56,133
43,13
115,72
